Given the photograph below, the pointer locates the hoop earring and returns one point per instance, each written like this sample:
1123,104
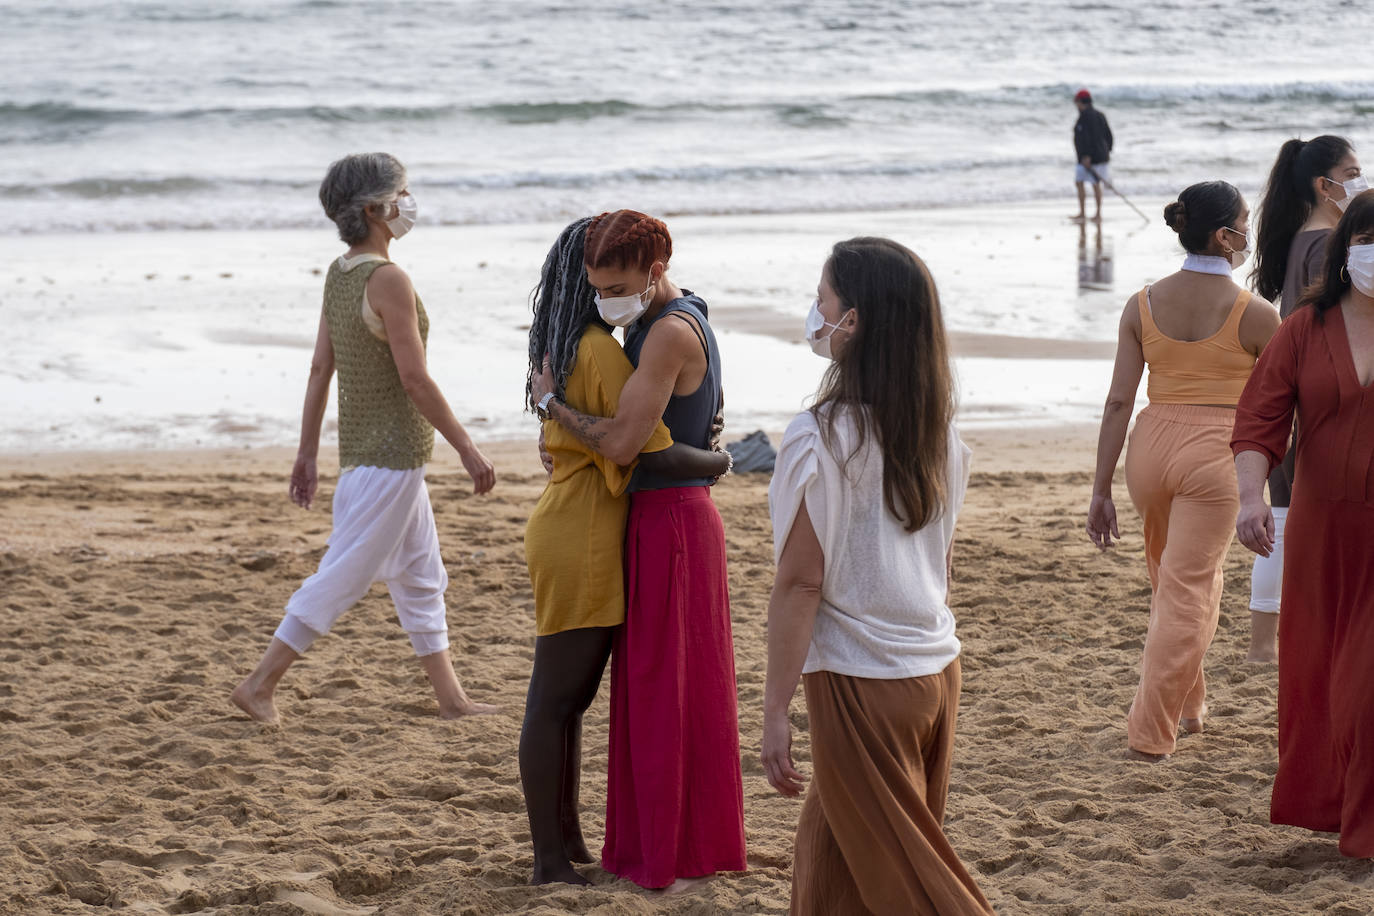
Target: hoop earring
1345,278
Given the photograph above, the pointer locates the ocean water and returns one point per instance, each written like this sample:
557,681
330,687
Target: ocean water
130,114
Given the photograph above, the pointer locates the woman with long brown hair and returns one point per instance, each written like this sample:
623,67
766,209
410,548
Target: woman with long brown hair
864,497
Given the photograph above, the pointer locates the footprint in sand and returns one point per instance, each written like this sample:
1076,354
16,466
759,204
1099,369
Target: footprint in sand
1080,811
80,882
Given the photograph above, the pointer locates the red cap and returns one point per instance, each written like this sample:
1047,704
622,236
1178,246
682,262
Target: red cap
1083,95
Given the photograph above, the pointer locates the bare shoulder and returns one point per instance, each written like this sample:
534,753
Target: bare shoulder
389,285
670,334
389,277
1260,320
1261,309
1130,312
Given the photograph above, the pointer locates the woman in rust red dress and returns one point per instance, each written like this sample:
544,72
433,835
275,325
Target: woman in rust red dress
1321,365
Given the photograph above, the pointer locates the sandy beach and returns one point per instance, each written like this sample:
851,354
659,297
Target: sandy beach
139,587
164,251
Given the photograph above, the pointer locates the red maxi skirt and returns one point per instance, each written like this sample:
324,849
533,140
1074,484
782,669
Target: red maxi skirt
674,796
1325,779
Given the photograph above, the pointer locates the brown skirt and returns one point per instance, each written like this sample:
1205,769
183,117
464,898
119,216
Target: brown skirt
869,838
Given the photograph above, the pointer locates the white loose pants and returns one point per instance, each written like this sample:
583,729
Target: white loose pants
1266,578
383,532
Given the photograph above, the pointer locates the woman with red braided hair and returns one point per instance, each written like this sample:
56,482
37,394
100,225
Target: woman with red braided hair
578,580
674,800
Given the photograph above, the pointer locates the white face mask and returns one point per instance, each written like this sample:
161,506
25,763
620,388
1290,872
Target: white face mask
814,322
620,311
1352,187
404,220
1359,263
1238,255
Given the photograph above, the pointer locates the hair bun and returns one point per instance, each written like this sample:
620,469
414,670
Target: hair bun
1176,216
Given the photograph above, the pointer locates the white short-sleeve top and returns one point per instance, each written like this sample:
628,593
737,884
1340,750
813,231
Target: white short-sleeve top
883,612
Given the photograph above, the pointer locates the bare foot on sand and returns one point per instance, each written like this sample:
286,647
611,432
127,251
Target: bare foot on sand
1263,658
257,704
682,885
454,702
563,874
1133,754
469,708
575,847
1194,726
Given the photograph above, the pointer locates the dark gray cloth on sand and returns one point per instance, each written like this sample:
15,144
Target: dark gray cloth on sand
752,453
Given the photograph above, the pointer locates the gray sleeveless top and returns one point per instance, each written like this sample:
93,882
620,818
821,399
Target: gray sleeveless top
688,417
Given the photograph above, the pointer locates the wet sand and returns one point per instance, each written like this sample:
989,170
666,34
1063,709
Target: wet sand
138,588
203,339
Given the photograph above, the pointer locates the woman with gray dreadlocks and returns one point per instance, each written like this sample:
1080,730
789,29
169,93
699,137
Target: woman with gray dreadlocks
574,546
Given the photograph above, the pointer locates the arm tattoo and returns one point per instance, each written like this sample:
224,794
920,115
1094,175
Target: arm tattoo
581,425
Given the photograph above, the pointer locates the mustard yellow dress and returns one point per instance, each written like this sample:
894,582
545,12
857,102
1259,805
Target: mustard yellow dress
575,538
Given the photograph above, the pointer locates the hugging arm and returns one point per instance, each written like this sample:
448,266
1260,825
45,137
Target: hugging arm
685,462
641,402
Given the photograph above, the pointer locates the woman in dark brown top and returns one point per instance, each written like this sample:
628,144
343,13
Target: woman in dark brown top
1309,188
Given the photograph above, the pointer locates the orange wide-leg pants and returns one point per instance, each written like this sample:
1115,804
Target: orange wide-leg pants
1182,480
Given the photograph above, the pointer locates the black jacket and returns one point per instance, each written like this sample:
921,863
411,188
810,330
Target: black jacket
1092,137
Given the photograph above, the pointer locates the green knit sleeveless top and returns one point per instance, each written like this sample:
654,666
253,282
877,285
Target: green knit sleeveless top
379,425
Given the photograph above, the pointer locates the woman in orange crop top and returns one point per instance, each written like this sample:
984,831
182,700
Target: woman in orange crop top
1200,334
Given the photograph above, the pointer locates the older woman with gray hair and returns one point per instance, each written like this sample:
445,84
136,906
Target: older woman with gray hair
373,330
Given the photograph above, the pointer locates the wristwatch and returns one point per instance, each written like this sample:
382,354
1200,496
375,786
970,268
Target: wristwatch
543,407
